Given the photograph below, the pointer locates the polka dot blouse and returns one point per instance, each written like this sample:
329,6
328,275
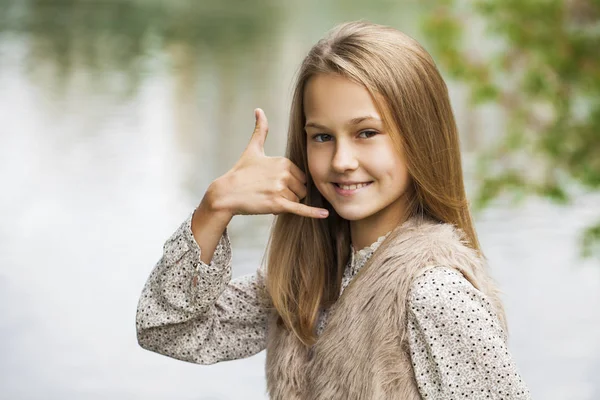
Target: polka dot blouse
195,312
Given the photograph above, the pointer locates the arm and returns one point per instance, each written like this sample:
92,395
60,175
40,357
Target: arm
214,320
458,347
193,311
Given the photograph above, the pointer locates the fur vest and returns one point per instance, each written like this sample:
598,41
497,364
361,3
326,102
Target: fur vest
363,351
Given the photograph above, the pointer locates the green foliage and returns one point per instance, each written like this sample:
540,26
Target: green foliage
127,35
539,61
591,240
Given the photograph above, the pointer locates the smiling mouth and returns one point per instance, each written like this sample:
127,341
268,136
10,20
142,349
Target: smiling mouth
349,190
353,186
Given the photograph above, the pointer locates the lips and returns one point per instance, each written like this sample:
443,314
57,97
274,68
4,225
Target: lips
350,189
351,186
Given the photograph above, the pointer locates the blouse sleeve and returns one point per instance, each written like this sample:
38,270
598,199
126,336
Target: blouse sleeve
193,311
457,345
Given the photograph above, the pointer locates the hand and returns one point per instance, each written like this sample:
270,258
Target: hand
258,184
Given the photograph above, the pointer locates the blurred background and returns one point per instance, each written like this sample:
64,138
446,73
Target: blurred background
115,116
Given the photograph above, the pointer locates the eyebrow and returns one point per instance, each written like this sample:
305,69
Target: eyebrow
352,122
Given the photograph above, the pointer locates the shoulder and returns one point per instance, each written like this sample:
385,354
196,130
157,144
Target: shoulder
428,230
441,281
443,293
456,340
443,284
428,242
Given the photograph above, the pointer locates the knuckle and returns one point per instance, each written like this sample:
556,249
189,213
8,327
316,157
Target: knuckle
302,177
303,192
280,186
286,175
282,206
283,162
275,205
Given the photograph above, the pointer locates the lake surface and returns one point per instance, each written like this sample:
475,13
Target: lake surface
115,117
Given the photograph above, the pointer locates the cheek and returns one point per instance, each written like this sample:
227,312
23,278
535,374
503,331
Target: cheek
311,163
317,165
319,171
391,167
400,175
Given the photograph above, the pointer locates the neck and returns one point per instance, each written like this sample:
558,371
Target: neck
366,231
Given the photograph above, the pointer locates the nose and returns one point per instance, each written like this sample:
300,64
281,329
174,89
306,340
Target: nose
344,158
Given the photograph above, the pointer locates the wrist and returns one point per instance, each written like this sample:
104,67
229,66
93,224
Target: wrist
207,223
214,204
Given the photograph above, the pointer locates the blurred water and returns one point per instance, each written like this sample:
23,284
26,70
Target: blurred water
115,117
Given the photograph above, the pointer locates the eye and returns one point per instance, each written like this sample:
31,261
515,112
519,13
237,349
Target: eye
321,137
368,133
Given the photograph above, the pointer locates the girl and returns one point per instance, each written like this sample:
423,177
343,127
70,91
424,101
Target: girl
375,286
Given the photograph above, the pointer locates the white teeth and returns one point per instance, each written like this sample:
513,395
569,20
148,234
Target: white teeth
352,187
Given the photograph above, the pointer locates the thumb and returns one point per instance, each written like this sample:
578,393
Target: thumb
261,128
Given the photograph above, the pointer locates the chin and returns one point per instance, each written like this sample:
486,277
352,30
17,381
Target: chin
352,215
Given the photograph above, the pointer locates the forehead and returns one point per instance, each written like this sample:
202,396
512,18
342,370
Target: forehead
330,98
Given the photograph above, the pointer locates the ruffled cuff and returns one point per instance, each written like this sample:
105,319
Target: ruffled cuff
188,282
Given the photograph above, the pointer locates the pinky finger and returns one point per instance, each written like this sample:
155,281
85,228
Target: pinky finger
303,210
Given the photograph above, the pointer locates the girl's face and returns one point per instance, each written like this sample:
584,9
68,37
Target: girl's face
348,145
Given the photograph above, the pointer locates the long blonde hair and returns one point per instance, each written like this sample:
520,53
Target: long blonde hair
305,256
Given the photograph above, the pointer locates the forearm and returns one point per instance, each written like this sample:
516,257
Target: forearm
208,224
213,320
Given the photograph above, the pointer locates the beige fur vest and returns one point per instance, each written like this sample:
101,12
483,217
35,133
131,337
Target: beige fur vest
363,352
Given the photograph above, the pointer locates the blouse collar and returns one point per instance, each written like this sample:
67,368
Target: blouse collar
360,257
